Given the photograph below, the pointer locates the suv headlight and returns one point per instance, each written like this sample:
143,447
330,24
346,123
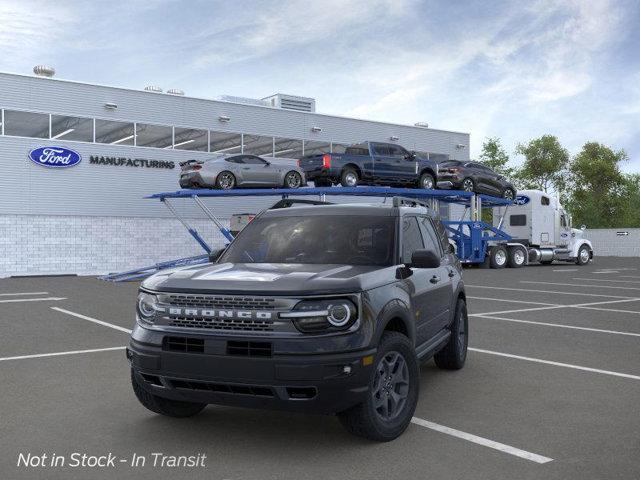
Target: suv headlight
147,306
319,316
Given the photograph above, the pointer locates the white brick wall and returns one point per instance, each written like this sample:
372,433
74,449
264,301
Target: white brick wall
612,242
51,245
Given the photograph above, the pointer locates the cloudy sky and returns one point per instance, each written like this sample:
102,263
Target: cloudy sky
515,70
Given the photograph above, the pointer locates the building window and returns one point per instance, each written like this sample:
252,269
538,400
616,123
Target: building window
26,124
258,145
224,142
287,148
338,147
158,136
312,147
191,139
115,133
72,128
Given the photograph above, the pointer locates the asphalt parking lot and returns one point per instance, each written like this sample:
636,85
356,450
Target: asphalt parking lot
550,390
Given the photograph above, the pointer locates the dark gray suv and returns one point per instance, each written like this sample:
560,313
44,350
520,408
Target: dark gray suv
312,308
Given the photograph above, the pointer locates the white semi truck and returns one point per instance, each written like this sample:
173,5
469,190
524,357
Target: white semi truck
540,231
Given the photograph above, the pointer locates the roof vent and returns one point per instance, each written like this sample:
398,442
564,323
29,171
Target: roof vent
422,124
175,91
44,71
153,88
292,102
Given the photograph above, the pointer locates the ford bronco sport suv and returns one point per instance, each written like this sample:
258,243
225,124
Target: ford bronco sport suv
312,308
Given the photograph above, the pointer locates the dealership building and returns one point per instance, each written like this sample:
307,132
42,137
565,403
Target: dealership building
91,217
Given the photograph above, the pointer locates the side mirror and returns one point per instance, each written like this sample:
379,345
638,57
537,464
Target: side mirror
425,259
214,255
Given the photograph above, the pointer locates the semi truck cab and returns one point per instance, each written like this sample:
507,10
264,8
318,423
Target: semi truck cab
538,221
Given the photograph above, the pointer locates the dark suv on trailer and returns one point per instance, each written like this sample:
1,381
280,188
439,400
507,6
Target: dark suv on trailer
312,308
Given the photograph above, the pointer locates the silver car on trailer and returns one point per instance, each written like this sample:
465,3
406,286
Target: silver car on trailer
241,170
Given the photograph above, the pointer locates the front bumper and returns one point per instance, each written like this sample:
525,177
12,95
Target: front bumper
311,383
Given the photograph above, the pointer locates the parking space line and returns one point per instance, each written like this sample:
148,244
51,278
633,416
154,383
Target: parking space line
559,325
604,280
615,310
22,293
44,299
530,290
57,354
94,320
535,309
485,442
551,307
556,364
566,269
513,301
579,285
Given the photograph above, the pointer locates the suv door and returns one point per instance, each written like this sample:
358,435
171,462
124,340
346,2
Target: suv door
403,164
421,284
442,293
382,161
257,171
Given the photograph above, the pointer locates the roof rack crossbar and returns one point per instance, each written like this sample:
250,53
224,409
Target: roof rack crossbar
290,202
409,202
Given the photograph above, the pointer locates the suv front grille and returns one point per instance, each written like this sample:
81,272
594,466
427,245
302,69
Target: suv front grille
221,324
215,301
254,390
183,344
249,349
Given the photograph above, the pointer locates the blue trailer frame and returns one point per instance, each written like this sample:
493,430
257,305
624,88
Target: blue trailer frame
471,245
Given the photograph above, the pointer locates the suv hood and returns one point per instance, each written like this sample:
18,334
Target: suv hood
275,279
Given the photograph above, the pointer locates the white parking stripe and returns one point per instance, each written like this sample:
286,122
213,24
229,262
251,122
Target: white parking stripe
604,280
566,270
94,320
57,354
580,285
556,364
22,293
485,442
530,290
518,310
512,301
559,325
45,299
615,310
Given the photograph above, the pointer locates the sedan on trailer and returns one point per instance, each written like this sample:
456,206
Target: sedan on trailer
474,177
234,171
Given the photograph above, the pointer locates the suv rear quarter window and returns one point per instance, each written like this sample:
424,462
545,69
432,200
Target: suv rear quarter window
411,238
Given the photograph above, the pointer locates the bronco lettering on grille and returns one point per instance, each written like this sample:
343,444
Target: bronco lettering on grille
205,312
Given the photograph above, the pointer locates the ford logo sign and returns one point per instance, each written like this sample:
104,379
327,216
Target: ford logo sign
521,200
55,157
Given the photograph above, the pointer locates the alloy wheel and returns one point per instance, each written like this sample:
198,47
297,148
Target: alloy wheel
351,179
467,185
226,181
390,386
293,180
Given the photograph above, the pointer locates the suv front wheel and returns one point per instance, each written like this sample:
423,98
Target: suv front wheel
393,392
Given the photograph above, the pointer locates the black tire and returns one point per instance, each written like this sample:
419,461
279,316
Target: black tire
292,180
427,181
225,180
468,185
584,255
164,406
498,257
509,194
349,178
366,420
546,262
322,182
517,257
454,354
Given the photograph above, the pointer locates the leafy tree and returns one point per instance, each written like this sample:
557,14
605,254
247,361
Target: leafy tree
495,157
599,190
545,164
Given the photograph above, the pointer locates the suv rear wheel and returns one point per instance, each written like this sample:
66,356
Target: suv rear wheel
393,392
164,406
349,178
454,354
427,182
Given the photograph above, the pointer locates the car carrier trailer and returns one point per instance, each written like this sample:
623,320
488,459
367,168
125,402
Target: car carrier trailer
474,241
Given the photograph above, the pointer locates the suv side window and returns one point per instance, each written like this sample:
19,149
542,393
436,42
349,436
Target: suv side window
381,149
238,159
411,238
253,160
431,239
397,151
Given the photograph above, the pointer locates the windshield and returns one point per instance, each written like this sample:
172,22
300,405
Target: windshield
318,239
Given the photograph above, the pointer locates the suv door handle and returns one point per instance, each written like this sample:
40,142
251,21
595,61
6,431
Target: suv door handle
435,279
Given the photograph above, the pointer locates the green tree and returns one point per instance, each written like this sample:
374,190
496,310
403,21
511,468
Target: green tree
599,191
545,164
495,157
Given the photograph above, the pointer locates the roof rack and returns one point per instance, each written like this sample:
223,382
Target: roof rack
290,202
409,202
